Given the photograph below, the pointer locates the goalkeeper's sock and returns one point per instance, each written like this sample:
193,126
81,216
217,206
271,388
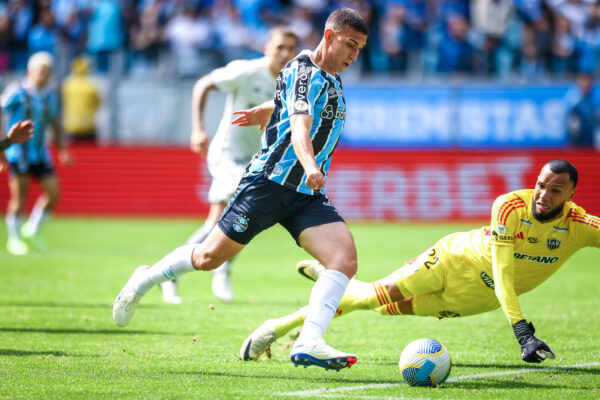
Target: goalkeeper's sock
173,265
284,324
363,296
393,309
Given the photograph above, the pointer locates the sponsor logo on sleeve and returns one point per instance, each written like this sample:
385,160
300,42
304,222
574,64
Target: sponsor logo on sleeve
301,105
500,234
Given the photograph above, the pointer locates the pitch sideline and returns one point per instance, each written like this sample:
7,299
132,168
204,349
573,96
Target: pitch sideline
336,392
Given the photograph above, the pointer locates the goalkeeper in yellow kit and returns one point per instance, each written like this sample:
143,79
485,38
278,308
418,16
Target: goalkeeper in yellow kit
533,232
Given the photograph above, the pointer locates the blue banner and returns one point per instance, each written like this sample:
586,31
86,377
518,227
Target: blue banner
461,117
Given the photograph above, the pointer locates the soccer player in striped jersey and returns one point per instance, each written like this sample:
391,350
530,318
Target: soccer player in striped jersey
248,83
533,232
32,100
285,184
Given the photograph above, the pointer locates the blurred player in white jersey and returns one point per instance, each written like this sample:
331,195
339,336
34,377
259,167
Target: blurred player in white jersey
248,84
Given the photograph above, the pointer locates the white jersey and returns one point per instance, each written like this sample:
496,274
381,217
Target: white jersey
248,83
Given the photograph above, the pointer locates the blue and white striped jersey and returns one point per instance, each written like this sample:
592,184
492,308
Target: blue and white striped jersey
25,102
302,88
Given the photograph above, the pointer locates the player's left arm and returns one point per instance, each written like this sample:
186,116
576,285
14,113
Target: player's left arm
259,115
504,223
59,141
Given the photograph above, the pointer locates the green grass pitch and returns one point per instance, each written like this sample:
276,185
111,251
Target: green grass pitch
58,340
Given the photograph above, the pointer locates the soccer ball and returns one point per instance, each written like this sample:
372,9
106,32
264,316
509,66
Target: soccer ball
425,362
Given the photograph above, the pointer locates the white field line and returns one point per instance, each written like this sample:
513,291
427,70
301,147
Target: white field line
338,391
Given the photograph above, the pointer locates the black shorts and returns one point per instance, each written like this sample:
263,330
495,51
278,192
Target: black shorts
38,170
260,203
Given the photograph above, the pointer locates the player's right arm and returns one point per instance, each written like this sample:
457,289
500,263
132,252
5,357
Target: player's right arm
301,125
504,224
199,139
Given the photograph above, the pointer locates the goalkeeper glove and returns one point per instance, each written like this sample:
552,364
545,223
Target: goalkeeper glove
533,350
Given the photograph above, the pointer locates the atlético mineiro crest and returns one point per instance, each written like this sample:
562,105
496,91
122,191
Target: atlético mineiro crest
240,224
553,244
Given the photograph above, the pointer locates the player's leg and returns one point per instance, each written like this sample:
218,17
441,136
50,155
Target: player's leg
215,250
332,244
18,185
169,288
41,211
243,219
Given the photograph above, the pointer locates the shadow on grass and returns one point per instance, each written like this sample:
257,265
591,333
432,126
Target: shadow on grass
49,353
84,331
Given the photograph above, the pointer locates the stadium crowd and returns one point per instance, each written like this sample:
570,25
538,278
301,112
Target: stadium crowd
530,39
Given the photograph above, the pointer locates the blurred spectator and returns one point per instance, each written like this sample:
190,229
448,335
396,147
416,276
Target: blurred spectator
456,54
234,38
582,113
491,18
43,36
191,38
146,39
80,100
5,36
71,33
21,16
106,36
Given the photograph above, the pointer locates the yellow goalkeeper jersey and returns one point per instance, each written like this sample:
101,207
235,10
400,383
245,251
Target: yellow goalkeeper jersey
520,252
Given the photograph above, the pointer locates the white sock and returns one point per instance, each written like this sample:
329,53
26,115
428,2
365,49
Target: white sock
36,219
225,268
201,234
171,266
13,224
324,298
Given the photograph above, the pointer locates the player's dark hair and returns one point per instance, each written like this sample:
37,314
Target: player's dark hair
559,166
347,18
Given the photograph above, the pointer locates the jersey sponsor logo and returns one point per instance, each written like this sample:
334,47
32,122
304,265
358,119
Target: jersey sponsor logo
240,224
489,282
532,240
553,244
561,229
520,236
301,105
526,221
327,112
537,259
501,238
332,93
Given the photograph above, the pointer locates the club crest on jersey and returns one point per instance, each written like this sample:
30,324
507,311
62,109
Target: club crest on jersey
240,224
553,244
278,169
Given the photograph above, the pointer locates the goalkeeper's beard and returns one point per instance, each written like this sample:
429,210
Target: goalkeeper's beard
546,217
